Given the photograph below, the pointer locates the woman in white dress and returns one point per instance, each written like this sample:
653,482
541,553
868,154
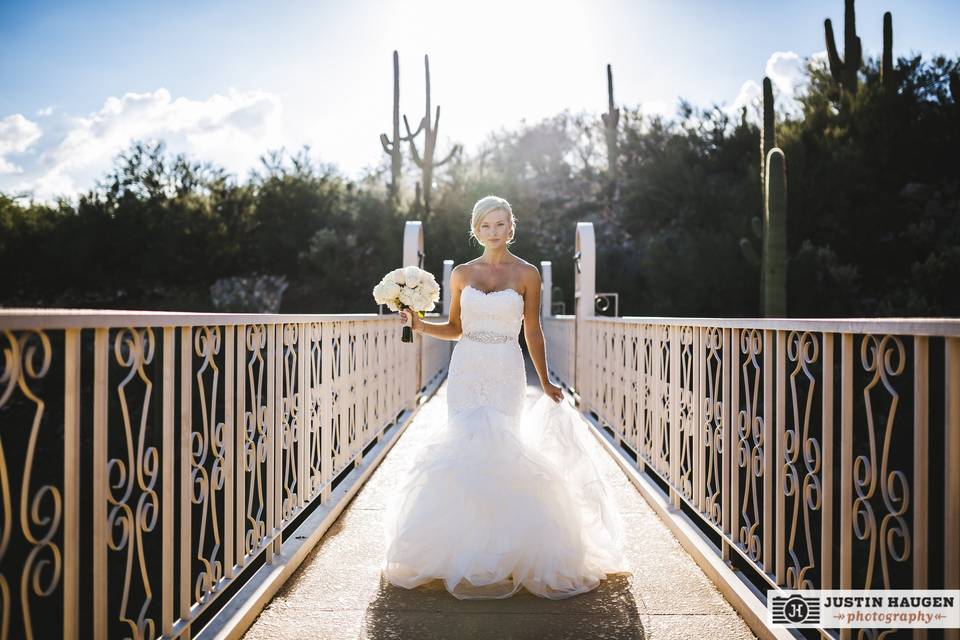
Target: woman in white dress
501,498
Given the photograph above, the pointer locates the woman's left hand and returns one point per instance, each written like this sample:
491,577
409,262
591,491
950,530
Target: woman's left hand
553,391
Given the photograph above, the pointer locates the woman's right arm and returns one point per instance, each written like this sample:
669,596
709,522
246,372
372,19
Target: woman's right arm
449,330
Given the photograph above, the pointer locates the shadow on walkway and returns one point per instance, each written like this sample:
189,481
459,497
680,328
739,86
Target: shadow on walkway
338,591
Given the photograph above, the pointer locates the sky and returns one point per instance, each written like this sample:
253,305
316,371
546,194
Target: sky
227,81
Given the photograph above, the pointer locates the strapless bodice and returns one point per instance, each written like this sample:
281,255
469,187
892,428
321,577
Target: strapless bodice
490,315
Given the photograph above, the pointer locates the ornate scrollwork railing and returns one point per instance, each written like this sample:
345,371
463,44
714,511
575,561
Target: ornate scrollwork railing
149,462
823,453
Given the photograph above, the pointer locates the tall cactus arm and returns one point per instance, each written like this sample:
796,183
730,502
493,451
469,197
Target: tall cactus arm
610,105
844,71
413,145
775,242
836,65
768,133
612,118
410,136
887,72
457,148
385,141
853,52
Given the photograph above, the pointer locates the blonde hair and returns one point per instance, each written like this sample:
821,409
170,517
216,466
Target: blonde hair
484,206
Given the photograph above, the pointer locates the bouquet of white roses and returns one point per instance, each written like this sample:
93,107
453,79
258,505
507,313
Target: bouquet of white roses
408,288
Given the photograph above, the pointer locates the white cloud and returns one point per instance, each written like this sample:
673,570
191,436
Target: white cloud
17,134
46,111
749,95
230,130
787,73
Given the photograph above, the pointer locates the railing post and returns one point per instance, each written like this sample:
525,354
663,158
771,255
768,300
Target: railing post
827,533
780,401
445,289
229,426
846,466
272,402
546,288
726,439
303,414
240,466
413,256
696,453
735,436
167,452
585,291
921,456
674,431
101,361
71,483
951,505
186,486
771,464
326,411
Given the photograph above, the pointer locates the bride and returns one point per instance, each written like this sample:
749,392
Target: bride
501,497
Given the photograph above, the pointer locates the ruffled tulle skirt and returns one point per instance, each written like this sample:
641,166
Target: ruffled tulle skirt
493,503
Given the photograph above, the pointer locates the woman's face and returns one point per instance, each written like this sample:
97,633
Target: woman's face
494,229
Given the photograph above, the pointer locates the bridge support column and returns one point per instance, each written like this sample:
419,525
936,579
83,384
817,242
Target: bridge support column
413,256
546,289
585,288
445,287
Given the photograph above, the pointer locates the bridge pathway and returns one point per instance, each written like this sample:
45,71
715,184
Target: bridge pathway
338,592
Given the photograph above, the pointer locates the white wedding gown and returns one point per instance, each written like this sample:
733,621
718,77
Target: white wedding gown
500,497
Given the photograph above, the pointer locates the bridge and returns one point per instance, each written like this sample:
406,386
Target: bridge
222,475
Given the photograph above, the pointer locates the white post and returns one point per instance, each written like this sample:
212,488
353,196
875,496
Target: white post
585,287
546,297
586,275
413,243
445,290
413,256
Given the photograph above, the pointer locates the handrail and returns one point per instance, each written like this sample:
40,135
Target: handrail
155,461
899,326
813,453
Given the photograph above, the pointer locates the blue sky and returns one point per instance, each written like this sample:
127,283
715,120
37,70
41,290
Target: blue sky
226,81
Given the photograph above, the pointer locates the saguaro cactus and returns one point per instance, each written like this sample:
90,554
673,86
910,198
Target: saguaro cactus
955,86
426,162
768,140
768,134
772,229
844,71
888,75
775,236
392,145
611,119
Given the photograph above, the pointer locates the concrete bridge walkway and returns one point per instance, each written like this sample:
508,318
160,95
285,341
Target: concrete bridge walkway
338,593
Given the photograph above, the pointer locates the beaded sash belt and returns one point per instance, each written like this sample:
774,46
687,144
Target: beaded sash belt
487,336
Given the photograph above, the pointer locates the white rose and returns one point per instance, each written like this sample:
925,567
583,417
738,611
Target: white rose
411,276
391,289
398,276
380,293
421,301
